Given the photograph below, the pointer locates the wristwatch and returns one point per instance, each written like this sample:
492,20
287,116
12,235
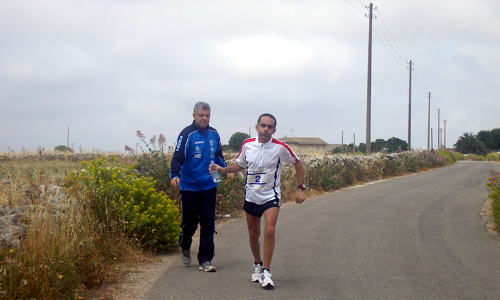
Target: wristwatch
302,187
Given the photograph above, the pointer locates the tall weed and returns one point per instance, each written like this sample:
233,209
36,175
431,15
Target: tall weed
154,162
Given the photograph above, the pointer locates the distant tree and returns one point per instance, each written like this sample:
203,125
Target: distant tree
484,136
494,140
236,140
469,143
336,150
378,146
225,148
394,144
361,148
62,148
491,138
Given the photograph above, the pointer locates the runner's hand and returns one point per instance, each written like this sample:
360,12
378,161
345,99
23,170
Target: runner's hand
301,196
175,182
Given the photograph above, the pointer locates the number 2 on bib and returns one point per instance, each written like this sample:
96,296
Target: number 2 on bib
256,178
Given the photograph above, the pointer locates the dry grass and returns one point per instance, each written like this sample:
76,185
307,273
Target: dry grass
64,251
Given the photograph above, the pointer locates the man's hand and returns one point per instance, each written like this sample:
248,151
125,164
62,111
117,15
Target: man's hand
301,196
213,168
175,182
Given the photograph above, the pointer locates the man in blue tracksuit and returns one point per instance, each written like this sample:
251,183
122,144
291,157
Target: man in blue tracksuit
198,146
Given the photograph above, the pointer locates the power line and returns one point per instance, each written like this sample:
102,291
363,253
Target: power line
399,60
425,134
392,36
419,84
355,6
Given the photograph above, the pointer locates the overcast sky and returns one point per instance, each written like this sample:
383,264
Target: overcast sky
105,69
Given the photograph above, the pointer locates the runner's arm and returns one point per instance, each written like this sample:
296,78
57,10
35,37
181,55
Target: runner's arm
299,170
234,168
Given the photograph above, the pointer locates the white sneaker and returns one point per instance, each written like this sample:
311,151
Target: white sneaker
207,267
257,273
266,280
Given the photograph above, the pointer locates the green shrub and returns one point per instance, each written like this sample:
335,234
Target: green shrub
392,167
325,175
331,182
449,156
409,163
62,148
494,194
119,196
429,160
492,156
476,157
459,156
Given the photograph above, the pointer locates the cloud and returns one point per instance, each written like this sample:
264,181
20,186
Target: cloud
109,68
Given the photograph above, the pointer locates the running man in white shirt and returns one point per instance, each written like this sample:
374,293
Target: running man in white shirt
262,157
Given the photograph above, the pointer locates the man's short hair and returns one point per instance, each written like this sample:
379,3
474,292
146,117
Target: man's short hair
267,115
201,105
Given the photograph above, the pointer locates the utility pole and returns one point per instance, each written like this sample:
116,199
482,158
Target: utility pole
354,144
67,145
441,137
428,121
432,141
409,109
439,129
444,144
369,81
342,145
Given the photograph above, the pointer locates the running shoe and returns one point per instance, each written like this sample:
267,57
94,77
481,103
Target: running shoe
186,257
266,280
257,273
207,267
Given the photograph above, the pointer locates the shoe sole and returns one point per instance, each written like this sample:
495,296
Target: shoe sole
268,286
212,269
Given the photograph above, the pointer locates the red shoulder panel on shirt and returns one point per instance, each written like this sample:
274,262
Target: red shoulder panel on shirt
275,141
249,140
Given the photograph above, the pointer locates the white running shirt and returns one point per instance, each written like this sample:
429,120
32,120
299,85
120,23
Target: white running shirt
263,163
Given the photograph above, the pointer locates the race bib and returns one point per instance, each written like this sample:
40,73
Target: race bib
256,178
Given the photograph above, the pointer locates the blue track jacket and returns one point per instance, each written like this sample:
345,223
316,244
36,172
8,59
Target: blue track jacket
195,149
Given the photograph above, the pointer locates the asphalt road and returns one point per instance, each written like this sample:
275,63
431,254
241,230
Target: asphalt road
413,237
